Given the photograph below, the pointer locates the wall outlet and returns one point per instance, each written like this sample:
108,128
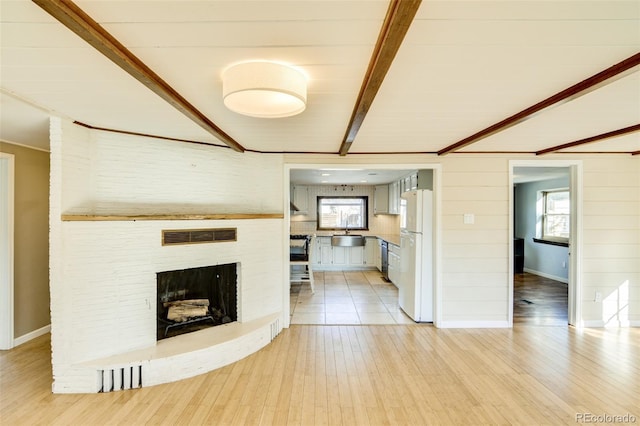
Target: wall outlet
598,297
564,264
468,218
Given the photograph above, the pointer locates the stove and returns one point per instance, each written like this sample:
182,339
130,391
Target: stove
300,249
299,237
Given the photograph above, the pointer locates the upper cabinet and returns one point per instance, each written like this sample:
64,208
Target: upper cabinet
424,179
420,179
381,199
300,199
394,197
406,185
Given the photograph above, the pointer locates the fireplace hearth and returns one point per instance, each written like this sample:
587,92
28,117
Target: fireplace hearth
196,298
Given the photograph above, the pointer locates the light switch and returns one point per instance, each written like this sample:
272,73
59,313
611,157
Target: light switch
468,218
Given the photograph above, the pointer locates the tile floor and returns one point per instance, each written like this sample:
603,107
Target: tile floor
349,297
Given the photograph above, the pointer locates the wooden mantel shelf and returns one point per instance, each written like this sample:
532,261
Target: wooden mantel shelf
214,216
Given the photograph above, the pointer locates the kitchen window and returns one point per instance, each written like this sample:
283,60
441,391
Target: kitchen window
342,213
554,217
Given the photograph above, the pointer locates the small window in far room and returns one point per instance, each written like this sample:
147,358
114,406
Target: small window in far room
555,215
338,213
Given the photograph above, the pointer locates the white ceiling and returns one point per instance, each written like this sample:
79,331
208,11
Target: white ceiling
354,176
534,174
463,66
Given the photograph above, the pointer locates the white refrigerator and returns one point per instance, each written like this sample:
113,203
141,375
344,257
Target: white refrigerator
415,292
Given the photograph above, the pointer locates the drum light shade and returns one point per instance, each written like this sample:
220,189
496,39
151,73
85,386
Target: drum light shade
264,89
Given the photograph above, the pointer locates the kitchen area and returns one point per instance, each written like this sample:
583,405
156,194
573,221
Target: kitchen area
350,226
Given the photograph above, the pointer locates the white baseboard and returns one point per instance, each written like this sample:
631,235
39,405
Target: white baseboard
545,275
473,324
593,324
612,324
30,336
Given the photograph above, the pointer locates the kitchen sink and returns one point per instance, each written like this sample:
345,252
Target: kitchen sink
347,240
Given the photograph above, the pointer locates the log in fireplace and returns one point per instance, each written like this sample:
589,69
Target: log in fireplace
196,298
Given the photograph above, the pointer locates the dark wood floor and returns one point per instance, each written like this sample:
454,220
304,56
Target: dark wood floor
539,301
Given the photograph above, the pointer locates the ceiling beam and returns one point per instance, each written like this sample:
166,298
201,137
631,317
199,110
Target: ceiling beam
396,23
594,82
600,137
74,18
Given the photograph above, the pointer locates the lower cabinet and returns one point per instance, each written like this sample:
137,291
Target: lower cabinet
347,256
372,256
323,254
355,256
326,256
340,256
394,264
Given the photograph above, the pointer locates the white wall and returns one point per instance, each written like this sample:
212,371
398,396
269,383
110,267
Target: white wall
103,274
475,275
110,172
611,254
94,266
475,258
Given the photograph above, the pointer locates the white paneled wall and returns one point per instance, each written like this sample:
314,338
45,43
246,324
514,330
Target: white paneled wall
475,256
611,252
103,273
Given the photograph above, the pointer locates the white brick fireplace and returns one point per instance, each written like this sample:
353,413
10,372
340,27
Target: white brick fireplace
103,272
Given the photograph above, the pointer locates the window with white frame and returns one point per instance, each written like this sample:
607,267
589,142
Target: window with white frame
556,209
342,213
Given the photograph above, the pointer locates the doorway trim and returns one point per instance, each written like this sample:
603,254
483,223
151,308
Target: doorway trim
7,183
437,225
575,239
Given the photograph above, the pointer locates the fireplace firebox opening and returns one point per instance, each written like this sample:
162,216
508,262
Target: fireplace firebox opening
196,298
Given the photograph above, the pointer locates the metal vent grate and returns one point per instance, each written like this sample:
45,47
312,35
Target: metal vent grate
275,329
120,378
198,236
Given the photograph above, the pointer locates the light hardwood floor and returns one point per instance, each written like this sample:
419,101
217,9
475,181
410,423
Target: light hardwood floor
361,375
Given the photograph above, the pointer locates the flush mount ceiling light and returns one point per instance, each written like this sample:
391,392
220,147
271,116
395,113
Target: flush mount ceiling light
264,89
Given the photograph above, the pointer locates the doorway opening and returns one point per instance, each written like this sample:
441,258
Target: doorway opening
544,233
349,284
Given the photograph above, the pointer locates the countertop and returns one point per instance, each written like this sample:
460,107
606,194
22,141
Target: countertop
390,238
